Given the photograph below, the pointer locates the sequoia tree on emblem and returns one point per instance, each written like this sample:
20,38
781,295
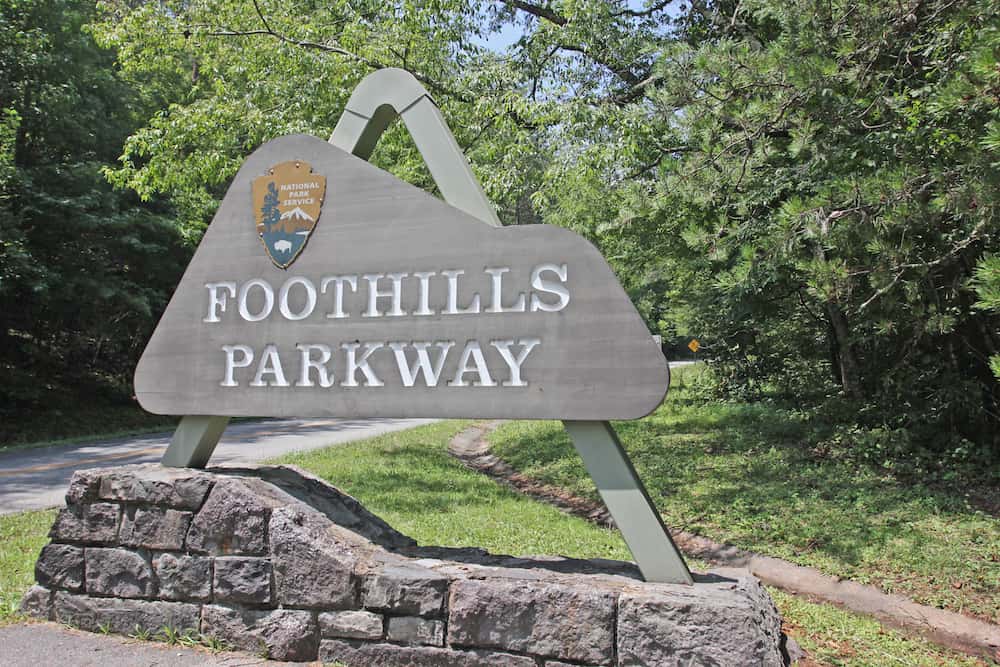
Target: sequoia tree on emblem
287,203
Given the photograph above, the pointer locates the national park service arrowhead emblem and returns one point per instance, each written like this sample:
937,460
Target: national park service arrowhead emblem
287,203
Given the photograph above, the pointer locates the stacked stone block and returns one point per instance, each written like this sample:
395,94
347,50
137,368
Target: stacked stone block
272,559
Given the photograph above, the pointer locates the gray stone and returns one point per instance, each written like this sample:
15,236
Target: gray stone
119,573
284,634
60,566
311,567
154,528
122,616
369,606
232,521
180,488
37,602
184,577
407,589
542,618
728,623
84,487
357,654
96,523
793,652
336,505
350,624
243,580
415,630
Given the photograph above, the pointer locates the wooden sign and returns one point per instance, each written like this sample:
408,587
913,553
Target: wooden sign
390,303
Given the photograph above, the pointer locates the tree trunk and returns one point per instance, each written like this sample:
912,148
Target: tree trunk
850,370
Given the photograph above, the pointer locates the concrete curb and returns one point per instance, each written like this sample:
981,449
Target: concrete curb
962,633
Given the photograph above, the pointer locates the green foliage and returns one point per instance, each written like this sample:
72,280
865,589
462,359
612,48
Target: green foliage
822,182
84,270
804,186
987,284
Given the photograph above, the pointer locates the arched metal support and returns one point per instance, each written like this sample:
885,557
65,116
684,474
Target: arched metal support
375,103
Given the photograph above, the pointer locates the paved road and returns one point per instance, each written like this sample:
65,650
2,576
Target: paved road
37,478
38,644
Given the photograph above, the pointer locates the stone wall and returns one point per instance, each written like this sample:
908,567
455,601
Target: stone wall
271,558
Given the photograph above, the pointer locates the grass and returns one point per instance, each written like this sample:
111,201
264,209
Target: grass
832,636
22,537
740,473
409,479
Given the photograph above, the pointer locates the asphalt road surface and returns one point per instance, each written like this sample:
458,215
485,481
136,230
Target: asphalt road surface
40,644
37,478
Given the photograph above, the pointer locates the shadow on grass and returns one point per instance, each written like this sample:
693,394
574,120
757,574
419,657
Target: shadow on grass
410,481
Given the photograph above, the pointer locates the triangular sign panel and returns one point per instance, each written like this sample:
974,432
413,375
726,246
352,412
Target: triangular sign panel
372,298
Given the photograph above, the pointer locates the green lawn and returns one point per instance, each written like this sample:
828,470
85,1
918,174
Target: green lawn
740,473
409,479
22,536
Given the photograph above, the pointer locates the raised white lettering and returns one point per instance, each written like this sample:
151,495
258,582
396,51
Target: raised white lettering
514,363
538,283
325,377
231,363
395,294
338,293
496,295
453,309
270,364
475,353
216,301
354,364
408,374
423,301
268,300
310,298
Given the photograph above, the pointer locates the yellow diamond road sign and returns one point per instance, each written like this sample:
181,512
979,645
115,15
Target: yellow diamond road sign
694,345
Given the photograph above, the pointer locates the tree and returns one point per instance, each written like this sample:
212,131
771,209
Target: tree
806,186
271,215
84,270
987,285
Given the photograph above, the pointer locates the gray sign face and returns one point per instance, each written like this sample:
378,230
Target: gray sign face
399,306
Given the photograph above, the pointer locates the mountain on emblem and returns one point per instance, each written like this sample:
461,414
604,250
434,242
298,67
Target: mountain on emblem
287,203
296,214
